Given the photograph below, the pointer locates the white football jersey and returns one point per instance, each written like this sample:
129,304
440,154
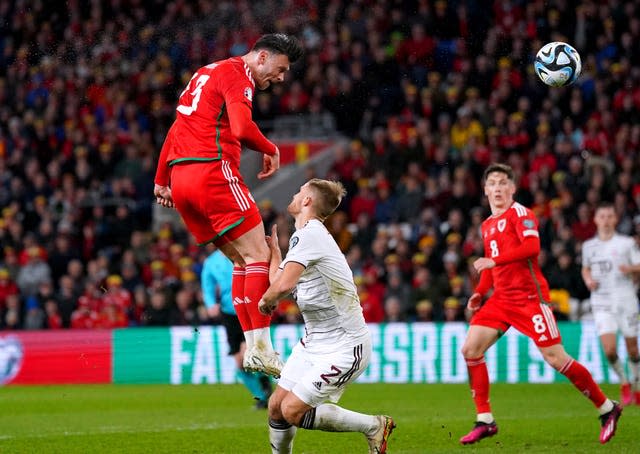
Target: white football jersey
326,295
604,258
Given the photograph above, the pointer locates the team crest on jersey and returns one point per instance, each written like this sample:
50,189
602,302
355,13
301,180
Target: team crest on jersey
502,223
293,242
528,223
248,93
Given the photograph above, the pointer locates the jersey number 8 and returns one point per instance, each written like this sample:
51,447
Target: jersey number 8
538,324
493,244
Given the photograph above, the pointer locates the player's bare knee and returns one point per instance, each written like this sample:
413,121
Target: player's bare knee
291,413
470,351
557,360
274,410
612,355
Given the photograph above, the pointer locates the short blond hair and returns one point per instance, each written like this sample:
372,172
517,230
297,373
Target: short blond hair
330,194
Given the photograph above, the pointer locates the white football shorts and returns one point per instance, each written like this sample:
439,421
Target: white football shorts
318,378
614,316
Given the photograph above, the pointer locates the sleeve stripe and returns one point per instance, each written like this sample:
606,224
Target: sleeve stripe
520,210
530,232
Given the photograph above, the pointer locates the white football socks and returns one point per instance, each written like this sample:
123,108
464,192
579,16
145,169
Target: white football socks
332,418
606,407
486,418
260,339
281,436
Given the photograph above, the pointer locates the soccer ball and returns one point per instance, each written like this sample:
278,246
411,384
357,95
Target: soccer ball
557,64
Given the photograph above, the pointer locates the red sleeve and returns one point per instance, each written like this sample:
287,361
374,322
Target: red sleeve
245,129
486,282
530,247
163,170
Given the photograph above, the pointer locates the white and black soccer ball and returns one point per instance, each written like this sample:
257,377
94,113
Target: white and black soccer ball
558,64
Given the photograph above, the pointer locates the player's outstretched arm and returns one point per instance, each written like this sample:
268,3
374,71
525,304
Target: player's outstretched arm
270,163
246,130
276,254
283,285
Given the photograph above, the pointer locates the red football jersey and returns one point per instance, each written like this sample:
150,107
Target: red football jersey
519,281
207,132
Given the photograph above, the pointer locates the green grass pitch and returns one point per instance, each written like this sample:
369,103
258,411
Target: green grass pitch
221,419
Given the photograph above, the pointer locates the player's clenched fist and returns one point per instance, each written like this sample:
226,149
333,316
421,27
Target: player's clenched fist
266,308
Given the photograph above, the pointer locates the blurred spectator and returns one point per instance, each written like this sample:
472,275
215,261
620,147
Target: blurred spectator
424,311
12,315
34,317
117,296
292,314
53,317
158,312
565,274
372,305
453,310
583,227
337,224
33,272
140,303
185,310
111,315
425,288
7,287
394,310
396,287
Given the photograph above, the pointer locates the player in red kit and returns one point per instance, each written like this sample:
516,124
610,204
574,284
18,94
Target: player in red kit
198,174
520,299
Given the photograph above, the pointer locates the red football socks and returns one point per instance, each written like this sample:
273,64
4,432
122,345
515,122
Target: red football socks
479,383
582,379
256,282
237,293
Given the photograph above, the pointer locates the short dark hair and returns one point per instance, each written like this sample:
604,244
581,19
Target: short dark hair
605,205
502,168
280,43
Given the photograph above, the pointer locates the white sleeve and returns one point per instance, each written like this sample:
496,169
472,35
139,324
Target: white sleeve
301,249
585,256
634,252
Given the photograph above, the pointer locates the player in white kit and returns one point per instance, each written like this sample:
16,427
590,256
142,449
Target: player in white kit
336,346
609,261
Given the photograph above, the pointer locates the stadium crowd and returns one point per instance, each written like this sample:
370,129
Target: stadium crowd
427,92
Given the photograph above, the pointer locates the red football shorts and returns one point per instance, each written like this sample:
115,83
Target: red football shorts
215,204
534,320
